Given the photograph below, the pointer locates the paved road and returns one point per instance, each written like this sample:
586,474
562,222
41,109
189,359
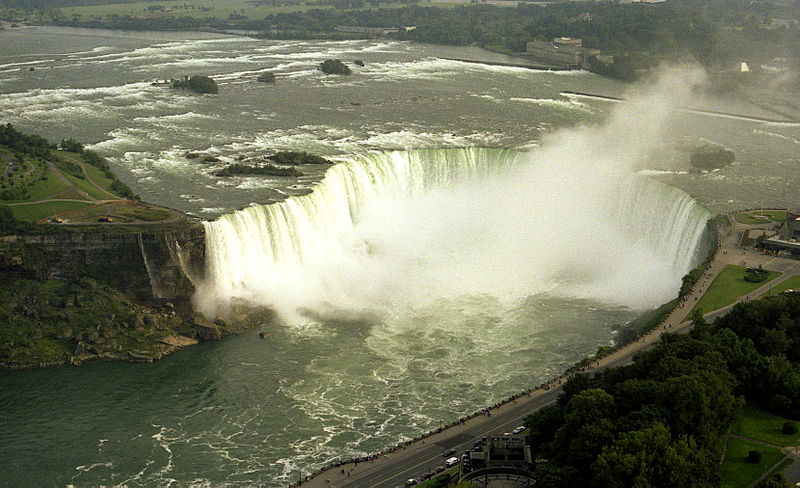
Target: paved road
393,469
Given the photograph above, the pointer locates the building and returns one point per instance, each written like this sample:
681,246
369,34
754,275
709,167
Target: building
788,237
503,460
561,51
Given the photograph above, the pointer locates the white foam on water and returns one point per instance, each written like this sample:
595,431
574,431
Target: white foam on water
494,223
569,104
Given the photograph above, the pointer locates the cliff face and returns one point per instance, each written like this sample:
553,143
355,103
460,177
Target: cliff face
147,265
108,293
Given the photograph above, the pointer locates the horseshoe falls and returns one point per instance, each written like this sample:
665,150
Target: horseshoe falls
391,231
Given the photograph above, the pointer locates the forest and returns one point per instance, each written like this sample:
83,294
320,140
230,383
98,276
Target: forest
712,32
661,421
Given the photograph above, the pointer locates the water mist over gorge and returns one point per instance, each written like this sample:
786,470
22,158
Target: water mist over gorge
394,231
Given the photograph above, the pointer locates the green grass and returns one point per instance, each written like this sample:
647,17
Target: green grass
791,283
760,217
50,186
98,177
727,287
737,472
773,215
763,426
749,219
37,211
40,189
87,187
141,212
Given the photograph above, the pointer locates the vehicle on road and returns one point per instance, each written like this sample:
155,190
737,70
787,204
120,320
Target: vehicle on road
450,462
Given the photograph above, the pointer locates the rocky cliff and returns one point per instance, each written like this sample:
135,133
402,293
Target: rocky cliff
69,294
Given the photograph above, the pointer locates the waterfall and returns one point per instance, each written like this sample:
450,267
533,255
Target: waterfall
153,282
392,229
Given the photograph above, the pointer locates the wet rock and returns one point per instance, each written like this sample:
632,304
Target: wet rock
206,331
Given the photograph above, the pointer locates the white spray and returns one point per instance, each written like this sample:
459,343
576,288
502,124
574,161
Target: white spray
387,231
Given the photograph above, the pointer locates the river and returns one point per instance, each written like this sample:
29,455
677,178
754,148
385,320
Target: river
409,297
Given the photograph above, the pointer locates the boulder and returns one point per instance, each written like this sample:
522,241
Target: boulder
206,331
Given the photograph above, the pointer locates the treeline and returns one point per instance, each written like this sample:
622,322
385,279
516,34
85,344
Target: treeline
617,29
36,4
32,145
661,420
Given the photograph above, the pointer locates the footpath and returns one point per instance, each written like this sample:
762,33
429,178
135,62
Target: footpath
390,468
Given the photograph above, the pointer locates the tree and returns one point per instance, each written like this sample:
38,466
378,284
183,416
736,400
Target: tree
588,428
8,223
650,457
197,84
334,67
775,480
71,145
267,77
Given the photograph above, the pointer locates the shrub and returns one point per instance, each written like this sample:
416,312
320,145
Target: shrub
789,428
197,84
267,77
334,67
753,456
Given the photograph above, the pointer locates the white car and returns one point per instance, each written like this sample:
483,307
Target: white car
519,429
450,462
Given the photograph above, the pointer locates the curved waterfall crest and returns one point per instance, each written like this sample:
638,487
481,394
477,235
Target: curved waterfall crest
402,226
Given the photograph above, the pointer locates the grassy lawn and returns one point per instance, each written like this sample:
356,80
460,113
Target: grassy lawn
86,186
758,424
773,215
141,212
791,283
40,189
34,212
749,219
727,287
98,177
47,187
737,472
760,217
